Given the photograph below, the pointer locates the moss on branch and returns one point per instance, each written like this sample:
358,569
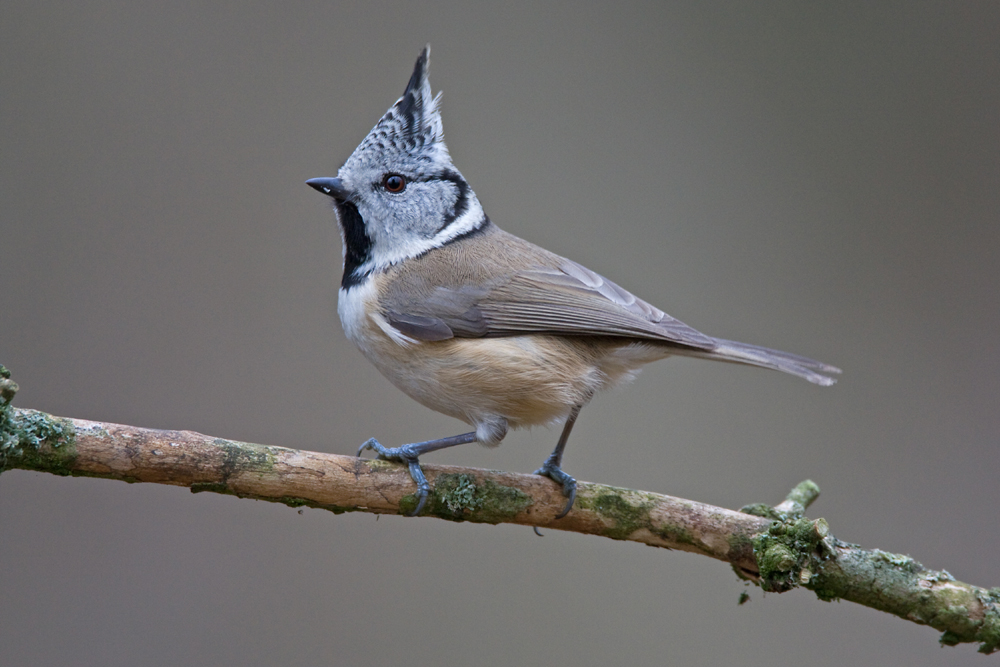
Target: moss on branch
798,552
775,547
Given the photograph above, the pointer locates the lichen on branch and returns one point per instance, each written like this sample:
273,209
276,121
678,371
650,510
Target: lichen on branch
775,547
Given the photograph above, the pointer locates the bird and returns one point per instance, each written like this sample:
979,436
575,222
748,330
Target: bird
477,323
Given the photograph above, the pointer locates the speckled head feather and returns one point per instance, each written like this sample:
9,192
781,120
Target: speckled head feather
412,128
434,204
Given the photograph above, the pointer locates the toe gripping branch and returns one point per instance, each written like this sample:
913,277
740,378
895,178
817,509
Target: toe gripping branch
409,454
551,467
552,470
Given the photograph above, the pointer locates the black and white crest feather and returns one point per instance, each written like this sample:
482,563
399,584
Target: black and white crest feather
413,124
435,207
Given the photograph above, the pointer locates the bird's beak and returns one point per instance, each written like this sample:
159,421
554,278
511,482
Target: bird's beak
332,187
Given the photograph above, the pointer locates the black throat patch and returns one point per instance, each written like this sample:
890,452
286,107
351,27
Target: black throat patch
357,243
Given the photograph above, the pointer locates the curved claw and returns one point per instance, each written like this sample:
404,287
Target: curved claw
409,454
556,474
571,494
372,444
423,486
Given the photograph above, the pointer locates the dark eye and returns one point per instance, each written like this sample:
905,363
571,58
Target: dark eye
394,182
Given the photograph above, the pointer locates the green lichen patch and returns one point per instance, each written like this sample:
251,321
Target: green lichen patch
985,631
242,457
35,428
678,535
878,579
378,465
8,388
799,498
789,553
988,634
458,492
740,547
763,510
906,564
408,504
624,514
459,497
899,585
949,638
36,441
9,441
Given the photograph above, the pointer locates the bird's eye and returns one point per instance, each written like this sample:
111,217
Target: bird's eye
394,183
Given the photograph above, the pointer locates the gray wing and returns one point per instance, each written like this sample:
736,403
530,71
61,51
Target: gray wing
566,299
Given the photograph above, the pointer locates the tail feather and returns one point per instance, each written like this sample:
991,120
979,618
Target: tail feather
753,355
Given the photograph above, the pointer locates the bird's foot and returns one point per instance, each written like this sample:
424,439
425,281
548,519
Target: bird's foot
556,474
408,455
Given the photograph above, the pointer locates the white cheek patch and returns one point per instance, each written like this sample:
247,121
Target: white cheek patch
389,249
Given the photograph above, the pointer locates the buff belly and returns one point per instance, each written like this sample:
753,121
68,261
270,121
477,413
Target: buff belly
493,383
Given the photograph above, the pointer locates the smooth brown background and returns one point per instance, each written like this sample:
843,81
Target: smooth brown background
818,177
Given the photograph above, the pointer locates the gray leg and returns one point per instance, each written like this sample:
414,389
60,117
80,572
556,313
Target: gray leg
551,467
409,454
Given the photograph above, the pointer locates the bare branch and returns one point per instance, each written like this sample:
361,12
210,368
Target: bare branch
778,551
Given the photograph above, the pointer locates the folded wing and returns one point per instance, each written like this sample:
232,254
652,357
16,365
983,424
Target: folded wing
568,299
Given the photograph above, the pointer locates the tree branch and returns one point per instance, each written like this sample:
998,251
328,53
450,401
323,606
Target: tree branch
778,551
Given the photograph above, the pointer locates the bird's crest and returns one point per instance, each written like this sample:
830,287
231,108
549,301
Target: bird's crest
413,124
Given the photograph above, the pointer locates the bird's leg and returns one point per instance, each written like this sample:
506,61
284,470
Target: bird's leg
551,467
409,454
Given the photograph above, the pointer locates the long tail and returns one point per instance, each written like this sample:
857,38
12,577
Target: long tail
742,353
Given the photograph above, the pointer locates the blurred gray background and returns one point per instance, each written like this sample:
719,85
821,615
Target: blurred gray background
818,177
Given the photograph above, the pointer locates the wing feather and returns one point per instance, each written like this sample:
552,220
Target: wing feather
567,299
467,289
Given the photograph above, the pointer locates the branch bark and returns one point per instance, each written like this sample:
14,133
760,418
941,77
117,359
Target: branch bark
778,551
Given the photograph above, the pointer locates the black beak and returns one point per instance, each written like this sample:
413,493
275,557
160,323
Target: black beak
332,187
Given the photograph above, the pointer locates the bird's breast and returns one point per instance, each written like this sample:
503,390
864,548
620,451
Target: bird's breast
527,380
351,308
